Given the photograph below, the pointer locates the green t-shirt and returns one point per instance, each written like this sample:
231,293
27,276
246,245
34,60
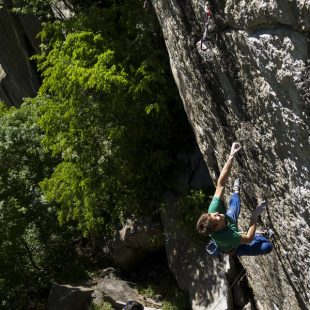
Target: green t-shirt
228,238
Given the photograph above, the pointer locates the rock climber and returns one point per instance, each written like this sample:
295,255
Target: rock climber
222,226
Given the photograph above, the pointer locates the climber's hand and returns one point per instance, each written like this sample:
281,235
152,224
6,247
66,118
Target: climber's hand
259,210
235,148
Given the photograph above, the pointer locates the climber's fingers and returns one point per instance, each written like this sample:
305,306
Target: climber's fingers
235,148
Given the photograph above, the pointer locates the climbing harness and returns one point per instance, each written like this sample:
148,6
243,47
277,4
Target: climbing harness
204,41
212,248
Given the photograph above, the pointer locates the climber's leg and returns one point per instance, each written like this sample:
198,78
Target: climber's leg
259,246
234,207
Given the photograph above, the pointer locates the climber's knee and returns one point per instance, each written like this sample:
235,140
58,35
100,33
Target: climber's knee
266,247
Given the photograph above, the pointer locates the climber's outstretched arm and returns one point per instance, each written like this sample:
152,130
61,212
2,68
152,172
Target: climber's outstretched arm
235,148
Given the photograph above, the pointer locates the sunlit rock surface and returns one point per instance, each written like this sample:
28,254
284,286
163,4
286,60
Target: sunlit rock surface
252,85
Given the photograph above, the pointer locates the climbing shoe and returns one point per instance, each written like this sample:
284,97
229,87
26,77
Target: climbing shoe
236,186
268,233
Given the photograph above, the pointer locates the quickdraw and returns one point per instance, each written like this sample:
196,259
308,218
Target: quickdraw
203,41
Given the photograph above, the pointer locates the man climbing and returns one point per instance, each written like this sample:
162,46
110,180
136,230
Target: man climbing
222,226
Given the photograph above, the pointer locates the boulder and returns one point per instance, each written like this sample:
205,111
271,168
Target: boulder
111,288
252,85
191,172
68,297
114,291
105,288
134,241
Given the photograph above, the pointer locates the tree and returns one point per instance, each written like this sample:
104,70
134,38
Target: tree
32,244
108,114
95,146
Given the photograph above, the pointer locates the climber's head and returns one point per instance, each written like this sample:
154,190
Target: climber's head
210,222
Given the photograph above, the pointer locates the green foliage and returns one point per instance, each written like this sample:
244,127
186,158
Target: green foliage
191,205
96,145
31,243
165,286
80,124
40,8
108,114
103,306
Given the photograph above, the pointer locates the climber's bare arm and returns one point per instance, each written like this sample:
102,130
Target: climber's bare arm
222,180
249,235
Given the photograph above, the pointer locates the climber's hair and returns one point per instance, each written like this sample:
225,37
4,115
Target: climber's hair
204,225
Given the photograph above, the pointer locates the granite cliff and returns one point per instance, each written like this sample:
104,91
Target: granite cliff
251,85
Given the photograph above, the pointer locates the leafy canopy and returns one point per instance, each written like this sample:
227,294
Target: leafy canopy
95,146
108,115
31,245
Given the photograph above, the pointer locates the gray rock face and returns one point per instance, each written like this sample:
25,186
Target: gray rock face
106,288
67,297
135,241
252,85
117,290
191,172
18,78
